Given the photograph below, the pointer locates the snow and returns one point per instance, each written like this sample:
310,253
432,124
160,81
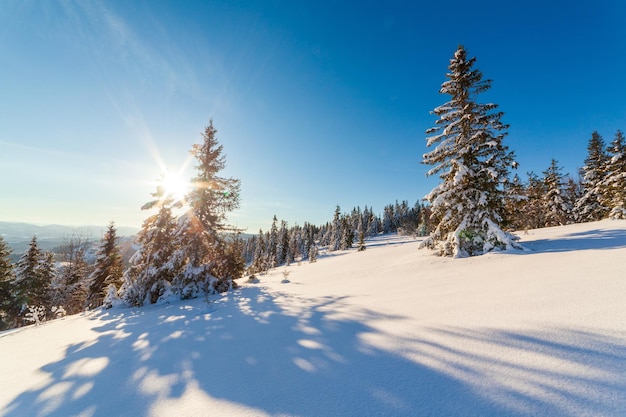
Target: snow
392,331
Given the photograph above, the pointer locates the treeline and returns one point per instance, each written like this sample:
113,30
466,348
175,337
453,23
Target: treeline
282,245
44,285
195,254
554,198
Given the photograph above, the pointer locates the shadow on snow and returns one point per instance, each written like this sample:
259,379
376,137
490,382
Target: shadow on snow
285,355
591,239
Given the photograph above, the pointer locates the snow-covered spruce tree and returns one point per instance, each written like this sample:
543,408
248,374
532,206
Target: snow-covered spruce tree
554,202
334,233
8,305
108,269
70,288
282,244
272,244
472,162
572,193
259,262
515,202
347,233
202,229
593,174
614,184
152,269
34,273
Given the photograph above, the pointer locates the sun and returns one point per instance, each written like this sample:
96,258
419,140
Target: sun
175,185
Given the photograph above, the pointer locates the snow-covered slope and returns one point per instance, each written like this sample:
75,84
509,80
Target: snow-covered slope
390,331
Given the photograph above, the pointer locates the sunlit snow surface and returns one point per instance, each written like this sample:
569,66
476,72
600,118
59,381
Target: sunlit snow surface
392,331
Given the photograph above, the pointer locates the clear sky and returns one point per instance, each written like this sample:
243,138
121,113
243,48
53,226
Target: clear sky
317,103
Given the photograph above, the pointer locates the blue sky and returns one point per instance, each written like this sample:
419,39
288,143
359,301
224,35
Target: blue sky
316,103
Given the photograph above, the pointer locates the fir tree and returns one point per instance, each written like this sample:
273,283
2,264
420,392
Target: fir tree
589,206
473,164
108,269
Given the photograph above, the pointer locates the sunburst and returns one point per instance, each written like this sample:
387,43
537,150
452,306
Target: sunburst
175,185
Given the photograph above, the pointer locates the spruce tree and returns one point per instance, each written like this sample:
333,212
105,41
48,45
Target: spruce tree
614,184
335,231
8,305
108,269
152,268
259,263
555,205
202,229
33,277
272,244
473,164
71,283
589,206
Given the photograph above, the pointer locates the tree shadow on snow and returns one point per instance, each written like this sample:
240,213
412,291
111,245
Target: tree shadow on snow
591,239
284,355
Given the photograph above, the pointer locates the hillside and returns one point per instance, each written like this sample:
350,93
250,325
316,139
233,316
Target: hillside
390,331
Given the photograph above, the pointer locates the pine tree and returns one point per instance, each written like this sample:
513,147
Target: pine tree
614,185
201,234
555,205
589,206
473,164
108,269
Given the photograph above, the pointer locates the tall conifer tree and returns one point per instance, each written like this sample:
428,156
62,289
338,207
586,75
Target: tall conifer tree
202,230
614,184
473,164
8,306
589,207
108,268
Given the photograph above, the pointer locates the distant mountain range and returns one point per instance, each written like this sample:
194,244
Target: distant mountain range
19,235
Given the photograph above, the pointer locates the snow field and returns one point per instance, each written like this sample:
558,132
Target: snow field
392,331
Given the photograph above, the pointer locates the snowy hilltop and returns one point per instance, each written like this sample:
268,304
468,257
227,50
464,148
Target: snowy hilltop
391,330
